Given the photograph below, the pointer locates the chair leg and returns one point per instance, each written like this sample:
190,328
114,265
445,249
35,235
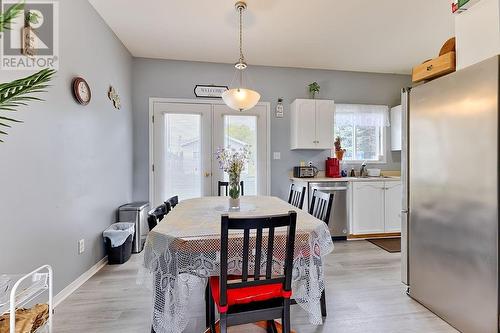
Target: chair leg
223,323
323,304
271,327
211,311
207,302
285,321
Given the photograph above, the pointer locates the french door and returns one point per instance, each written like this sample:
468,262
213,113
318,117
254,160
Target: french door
182,147
184,138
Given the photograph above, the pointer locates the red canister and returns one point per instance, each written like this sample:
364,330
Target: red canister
332,168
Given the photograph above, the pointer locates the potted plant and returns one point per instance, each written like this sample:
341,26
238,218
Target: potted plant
233,162
17,93
314,89
339,152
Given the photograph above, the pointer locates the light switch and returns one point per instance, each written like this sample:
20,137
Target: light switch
276,155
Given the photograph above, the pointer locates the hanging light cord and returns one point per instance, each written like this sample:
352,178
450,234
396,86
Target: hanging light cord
242,58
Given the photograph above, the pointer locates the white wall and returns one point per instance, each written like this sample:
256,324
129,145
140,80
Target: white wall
478,33
67,167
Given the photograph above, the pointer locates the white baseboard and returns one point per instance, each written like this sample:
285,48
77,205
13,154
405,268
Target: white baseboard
63,294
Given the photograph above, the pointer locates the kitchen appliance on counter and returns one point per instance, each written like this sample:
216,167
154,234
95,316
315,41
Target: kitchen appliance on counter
305,171
450,230
332,168
338,224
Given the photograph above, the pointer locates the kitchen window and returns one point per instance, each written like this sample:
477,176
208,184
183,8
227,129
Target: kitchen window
362,131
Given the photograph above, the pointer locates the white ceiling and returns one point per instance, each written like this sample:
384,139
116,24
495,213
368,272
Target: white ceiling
386,36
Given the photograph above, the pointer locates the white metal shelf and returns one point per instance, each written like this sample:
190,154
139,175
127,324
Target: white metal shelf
26,289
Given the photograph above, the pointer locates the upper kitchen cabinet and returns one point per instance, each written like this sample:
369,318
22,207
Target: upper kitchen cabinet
312,124
396,126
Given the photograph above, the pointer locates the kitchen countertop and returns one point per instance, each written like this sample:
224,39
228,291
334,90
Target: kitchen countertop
344,179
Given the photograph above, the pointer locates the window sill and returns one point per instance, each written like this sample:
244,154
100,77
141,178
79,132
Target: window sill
361,162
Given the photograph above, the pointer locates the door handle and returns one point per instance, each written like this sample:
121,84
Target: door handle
208,174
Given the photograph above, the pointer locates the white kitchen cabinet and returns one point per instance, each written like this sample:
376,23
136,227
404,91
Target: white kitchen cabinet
368,208
312,124
396,126
393,206
376,207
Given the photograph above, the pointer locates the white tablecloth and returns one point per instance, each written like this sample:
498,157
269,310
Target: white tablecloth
182,251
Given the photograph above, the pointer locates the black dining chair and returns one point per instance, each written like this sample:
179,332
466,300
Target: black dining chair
157,214
321,208
173,201
254,296
225,186
321,205
296,196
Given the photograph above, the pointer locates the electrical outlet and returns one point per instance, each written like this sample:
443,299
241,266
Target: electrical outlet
277,155
81,246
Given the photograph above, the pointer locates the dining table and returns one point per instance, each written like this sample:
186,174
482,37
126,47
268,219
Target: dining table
183,251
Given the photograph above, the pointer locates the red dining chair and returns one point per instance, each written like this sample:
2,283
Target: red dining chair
254,297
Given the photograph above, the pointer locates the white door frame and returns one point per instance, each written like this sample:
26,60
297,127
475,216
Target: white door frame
153,100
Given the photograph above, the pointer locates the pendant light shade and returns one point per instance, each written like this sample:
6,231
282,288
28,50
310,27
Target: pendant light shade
238,97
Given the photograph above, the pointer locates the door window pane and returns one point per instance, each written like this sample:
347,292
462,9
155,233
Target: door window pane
240,131
183,156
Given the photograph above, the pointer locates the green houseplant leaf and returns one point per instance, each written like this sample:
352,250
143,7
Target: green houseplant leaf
17,93
9,15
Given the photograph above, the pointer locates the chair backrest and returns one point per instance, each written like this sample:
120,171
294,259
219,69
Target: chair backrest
173,201
257,224
157,214
225,185
296,196
321,205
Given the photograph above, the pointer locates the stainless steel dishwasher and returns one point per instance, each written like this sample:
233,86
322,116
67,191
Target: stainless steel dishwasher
338,219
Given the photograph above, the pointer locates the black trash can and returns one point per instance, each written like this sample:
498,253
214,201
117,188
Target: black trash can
118,240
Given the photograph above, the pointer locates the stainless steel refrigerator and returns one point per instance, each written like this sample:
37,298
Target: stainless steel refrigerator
450,228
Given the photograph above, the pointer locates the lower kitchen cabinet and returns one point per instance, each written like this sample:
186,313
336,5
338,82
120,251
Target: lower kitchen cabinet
376,207
393,206
367,208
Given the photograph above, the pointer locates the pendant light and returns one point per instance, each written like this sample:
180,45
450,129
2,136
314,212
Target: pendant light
240,98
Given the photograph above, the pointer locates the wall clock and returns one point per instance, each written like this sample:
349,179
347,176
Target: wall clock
81,91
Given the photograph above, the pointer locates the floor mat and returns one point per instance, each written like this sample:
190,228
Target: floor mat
391,245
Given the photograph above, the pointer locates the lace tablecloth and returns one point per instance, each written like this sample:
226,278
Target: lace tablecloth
182,251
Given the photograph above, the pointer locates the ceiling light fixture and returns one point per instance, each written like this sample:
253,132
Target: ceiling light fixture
240,98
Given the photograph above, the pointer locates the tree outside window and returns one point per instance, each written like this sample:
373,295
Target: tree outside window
361,129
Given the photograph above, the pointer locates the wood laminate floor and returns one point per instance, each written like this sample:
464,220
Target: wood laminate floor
364,295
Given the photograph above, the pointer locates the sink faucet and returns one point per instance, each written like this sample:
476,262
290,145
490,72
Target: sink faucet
362,171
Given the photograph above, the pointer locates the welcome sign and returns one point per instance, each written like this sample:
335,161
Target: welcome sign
209,91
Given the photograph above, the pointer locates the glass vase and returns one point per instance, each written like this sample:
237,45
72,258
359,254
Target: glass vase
234,191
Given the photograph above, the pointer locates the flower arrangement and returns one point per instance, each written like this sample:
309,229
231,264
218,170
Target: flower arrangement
339,152
233,162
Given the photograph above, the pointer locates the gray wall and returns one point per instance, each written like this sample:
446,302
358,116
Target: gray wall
176,79
65,170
